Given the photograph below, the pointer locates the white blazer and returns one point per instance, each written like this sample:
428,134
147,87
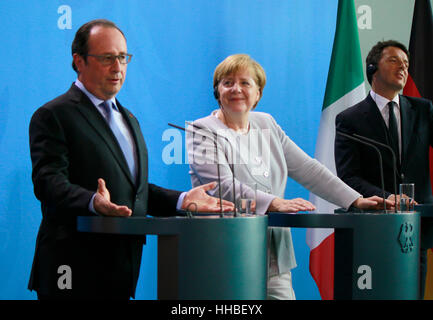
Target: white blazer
266,156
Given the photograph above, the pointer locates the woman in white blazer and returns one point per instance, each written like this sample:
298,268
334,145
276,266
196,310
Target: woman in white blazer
261,153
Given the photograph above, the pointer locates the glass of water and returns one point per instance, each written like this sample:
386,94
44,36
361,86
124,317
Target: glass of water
407,194
246,198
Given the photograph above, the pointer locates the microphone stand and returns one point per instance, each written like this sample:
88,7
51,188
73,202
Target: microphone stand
380,160
394,167
218,164
216,135
218,169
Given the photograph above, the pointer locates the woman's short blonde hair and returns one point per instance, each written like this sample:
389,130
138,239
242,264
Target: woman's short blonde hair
233,64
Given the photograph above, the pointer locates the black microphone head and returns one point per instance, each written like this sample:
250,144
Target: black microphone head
216,94
371,69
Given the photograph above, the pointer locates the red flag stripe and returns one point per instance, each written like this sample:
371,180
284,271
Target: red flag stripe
410,88
322,267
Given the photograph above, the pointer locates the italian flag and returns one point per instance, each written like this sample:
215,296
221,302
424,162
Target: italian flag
344,88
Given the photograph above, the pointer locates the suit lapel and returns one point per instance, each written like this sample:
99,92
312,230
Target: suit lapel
98,123
140,145
378,130
408,114
375,123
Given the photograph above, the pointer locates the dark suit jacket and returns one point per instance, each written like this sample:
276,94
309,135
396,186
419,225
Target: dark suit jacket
358,165
71,146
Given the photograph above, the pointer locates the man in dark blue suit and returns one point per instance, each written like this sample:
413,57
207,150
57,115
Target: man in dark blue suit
403,123
89,158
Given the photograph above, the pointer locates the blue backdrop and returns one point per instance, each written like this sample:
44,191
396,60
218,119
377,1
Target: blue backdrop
176,46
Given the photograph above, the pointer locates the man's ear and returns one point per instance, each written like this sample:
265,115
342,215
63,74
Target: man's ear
78,61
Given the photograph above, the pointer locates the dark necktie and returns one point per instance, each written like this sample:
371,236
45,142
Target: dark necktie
393,131
121,139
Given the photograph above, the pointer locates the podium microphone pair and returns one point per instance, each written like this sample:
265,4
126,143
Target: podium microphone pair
216,136
371,143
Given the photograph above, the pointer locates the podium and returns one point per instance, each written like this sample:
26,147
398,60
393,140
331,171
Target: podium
212,258
426,211
203,258
376,255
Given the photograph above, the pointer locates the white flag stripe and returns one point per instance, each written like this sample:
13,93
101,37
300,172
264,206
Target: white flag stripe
326,135
325,154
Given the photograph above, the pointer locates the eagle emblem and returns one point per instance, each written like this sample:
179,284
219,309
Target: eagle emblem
405,237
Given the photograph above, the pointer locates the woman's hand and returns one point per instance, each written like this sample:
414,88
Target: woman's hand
373,203
294,205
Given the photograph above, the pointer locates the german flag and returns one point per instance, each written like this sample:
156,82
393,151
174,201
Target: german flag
420,84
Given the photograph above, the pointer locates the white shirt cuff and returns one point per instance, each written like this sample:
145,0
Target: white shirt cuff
180,201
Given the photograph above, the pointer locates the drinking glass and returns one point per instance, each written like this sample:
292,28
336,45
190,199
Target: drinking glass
246,199
407,194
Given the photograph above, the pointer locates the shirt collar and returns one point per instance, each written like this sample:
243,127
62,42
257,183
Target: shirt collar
96,101
381,102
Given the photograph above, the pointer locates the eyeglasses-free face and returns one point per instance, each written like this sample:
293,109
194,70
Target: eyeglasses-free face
238,93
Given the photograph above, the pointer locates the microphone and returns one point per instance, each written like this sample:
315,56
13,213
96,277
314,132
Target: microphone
218,164
218,170
380,160
394,163
216,135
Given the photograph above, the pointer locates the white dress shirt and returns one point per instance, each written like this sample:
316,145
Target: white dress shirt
382,103
123,126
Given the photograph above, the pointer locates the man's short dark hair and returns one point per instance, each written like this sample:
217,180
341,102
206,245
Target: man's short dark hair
375,54
80,43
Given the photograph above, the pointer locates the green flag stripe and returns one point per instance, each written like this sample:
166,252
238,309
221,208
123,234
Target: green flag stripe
345,70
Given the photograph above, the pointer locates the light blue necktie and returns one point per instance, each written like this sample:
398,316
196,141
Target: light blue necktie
121,139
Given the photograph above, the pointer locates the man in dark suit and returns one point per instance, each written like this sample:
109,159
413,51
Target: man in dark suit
403,123
89,158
